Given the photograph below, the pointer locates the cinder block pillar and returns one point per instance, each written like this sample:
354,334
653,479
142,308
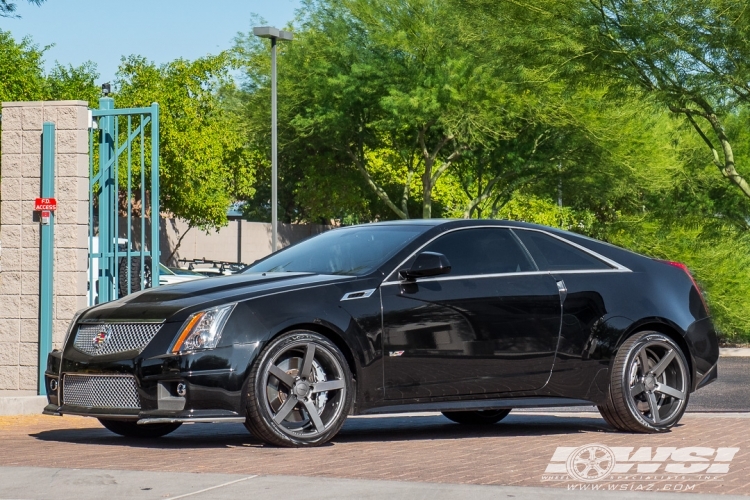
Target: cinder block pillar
20,170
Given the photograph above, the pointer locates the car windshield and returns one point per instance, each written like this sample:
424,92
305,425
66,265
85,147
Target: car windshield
183,272
164,270
352,251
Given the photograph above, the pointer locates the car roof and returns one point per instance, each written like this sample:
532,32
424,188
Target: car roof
455,223
452,223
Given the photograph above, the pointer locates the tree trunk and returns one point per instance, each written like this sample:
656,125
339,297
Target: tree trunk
359,162
427,190
726,167
179,242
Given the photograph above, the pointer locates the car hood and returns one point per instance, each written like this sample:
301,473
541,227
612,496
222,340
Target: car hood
174,302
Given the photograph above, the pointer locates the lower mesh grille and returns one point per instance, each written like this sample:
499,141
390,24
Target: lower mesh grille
101,391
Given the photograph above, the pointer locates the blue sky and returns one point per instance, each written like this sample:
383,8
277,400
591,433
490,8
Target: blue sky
161,30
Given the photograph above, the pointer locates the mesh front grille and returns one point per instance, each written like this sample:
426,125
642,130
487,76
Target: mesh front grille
101,391
99,340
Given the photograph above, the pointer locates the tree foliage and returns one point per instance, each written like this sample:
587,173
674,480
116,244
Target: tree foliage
8,9
399,95
204,166
693,55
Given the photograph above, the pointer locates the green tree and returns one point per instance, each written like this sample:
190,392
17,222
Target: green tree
74,83
204,165
22,76
21,69
378,84
694,55
7,9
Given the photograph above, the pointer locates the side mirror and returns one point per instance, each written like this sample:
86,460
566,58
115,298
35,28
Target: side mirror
427,264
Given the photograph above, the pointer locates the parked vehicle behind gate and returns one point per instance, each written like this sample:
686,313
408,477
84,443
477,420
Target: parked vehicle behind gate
169,276
469,318
139,280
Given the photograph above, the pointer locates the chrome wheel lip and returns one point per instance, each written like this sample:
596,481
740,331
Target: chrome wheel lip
301,392
652,383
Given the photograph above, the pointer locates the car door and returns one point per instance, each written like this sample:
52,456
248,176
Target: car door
489,326
583,275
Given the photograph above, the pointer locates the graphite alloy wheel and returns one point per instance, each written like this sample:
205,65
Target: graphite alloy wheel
129,428
299,391
479,417
649,386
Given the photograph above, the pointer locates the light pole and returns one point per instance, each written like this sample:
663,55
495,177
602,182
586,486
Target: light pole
274,34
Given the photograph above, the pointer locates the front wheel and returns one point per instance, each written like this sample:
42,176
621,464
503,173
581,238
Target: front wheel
650,385
299,391
129,428
478,417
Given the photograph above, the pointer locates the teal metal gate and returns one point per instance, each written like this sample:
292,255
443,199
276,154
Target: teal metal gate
124,184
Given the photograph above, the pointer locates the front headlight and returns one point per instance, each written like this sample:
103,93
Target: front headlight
202,330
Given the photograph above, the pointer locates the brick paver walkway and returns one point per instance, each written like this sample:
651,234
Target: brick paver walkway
519,451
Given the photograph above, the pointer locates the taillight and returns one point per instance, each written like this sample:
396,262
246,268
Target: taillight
687,271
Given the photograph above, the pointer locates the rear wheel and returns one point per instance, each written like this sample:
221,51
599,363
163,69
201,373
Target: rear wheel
649,386
299,391
130,428
479,417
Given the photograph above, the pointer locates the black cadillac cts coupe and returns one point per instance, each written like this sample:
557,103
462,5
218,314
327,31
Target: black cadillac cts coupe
469,318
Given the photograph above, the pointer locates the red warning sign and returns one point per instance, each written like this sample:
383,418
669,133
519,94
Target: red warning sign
41,204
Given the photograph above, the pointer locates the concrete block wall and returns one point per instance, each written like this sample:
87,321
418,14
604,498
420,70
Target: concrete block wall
20,171
229,244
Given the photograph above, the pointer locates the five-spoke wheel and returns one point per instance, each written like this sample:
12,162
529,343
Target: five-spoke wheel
650,384
299,391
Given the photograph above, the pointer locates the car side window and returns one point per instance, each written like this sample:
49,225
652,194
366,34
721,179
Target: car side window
552,254
482,251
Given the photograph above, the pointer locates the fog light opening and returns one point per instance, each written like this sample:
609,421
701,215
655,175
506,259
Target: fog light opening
181,389
53,385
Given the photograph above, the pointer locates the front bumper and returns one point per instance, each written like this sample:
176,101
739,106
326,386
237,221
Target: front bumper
213,383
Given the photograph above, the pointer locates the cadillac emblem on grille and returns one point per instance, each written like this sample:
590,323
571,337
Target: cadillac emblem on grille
100,338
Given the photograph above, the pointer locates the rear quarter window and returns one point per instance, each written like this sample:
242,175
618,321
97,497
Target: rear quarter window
552,254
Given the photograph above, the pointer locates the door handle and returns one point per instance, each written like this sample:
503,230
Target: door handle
563,290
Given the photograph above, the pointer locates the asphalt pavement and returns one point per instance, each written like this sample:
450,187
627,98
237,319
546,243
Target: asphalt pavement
730,392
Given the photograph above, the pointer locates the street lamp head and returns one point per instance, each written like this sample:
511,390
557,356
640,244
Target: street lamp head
273,33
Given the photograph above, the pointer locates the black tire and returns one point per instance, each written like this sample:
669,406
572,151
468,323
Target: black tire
284,386
137,279
477,417
637,401
130,428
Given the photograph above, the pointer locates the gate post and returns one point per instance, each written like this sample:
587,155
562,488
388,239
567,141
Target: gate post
47,254
107,264
155,210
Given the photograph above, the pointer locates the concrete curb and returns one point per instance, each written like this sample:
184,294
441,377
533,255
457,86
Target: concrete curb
734,352
22,405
